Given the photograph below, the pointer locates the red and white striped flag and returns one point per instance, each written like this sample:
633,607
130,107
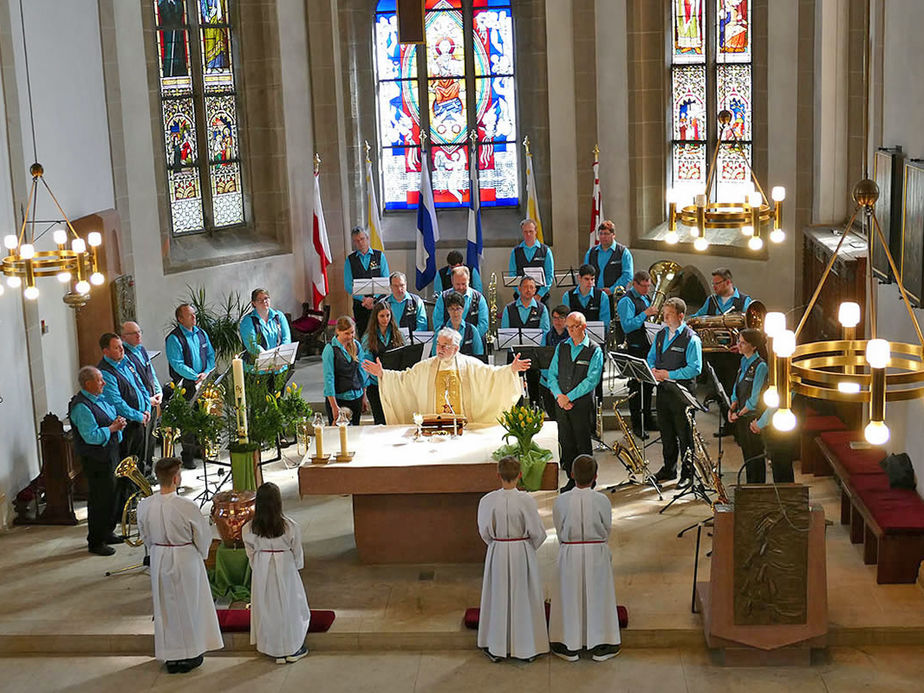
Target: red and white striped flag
321,257
596,202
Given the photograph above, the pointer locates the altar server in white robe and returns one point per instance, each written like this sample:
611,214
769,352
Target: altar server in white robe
583,614
178,537
279,613
449,382
512,619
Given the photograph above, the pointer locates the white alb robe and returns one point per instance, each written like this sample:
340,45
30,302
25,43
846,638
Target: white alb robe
486,390
178,537
512,620
583,613
279,613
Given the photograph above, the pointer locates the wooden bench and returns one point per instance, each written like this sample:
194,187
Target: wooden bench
812,461
888,522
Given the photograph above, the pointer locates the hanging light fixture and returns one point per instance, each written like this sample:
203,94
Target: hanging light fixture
873,371
71,261
750,215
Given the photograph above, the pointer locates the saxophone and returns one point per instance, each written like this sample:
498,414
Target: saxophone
705,468
128,468
627,450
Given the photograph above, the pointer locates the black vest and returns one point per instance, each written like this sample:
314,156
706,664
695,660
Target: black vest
187,354
570,373
360,272
712,304
261,338
467,346
676,355
98,453
613,268
143,368
371,352
409,317
637,340
348,374
473,307
745,385
519,257
552,338
592,311
126,390
533,320
446,275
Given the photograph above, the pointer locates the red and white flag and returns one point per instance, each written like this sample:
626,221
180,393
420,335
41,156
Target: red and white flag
596,202
321,257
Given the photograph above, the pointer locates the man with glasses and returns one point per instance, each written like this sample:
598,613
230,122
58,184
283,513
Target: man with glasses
725,299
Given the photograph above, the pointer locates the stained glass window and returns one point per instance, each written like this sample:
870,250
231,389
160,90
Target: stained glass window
200,114
466,83
702,67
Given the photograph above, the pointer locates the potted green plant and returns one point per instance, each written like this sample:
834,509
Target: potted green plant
295,410
220,322
265,421
175,418
521,424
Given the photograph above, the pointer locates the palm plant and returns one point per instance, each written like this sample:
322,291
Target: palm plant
219,322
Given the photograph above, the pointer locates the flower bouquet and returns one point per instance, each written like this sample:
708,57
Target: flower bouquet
522,423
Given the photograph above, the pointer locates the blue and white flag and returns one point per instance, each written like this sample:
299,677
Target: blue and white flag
475,247
428,233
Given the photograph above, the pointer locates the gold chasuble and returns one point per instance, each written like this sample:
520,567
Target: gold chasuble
476,390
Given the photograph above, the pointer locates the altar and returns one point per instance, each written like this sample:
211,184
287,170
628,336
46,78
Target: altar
416,501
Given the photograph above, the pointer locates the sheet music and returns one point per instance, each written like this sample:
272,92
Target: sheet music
596,330
276,358
536,273
424,337
511,279
371,285
651,330
566,279
510,337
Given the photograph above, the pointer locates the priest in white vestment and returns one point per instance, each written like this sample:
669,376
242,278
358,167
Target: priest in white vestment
512,617
449,382
583,614
177,536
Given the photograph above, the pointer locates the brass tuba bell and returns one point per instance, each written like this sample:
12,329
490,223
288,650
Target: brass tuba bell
128,468
719,333
665,275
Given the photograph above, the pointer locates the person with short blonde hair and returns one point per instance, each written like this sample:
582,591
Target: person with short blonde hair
344,380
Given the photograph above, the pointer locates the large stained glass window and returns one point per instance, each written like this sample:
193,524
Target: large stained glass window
462,81
200,115
710,71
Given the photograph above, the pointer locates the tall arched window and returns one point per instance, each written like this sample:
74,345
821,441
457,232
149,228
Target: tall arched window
464,77
710,71
200,115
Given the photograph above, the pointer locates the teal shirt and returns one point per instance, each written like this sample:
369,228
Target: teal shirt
147,361
694,354
175,354
112,394
760,376
398,308
327,361
594,372
544,323
83,420
530,251
603,257
724,303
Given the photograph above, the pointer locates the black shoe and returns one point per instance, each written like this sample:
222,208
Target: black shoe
559,650
190,664
665,474
114,539
494,658
567,487
101,549
601,653
684,481
176,667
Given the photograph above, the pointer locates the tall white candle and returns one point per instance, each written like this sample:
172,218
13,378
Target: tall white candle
344,447
240,399
318,441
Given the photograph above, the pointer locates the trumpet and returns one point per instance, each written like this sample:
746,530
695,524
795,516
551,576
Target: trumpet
707,471
128,468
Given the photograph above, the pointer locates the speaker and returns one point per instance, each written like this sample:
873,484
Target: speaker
411,21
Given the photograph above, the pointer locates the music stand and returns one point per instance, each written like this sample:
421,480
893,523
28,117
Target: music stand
511,279
414,337
371,286
697,487
537,274
278,358
402,358
511,337
596,330
566,279
720,391
540,357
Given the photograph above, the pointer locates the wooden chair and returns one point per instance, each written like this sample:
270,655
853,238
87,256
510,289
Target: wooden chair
310,329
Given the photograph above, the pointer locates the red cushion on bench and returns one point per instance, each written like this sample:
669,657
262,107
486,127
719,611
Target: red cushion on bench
855,462
895,510
870,482
815,424
238,620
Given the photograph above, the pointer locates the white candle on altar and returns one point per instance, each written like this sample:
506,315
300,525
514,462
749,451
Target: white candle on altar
240,399
343,440
319,441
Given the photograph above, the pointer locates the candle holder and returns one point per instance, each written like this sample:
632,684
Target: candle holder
418,421
343,421
319,457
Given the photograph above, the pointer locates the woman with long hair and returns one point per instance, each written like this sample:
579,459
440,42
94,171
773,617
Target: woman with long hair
381,335
344,378
279,613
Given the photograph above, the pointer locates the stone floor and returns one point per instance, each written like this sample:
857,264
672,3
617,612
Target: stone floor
55,598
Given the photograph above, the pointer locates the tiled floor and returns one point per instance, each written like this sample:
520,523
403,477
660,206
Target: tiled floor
892,669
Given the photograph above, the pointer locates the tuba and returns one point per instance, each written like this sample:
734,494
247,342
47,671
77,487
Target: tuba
128,468
720,332
702,463
665,274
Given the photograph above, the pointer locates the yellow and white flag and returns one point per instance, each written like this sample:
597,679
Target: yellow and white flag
532,199
374,223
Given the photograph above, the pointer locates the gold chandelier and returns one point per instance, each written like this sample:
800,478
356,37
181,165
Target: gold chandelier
750,214
74,261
